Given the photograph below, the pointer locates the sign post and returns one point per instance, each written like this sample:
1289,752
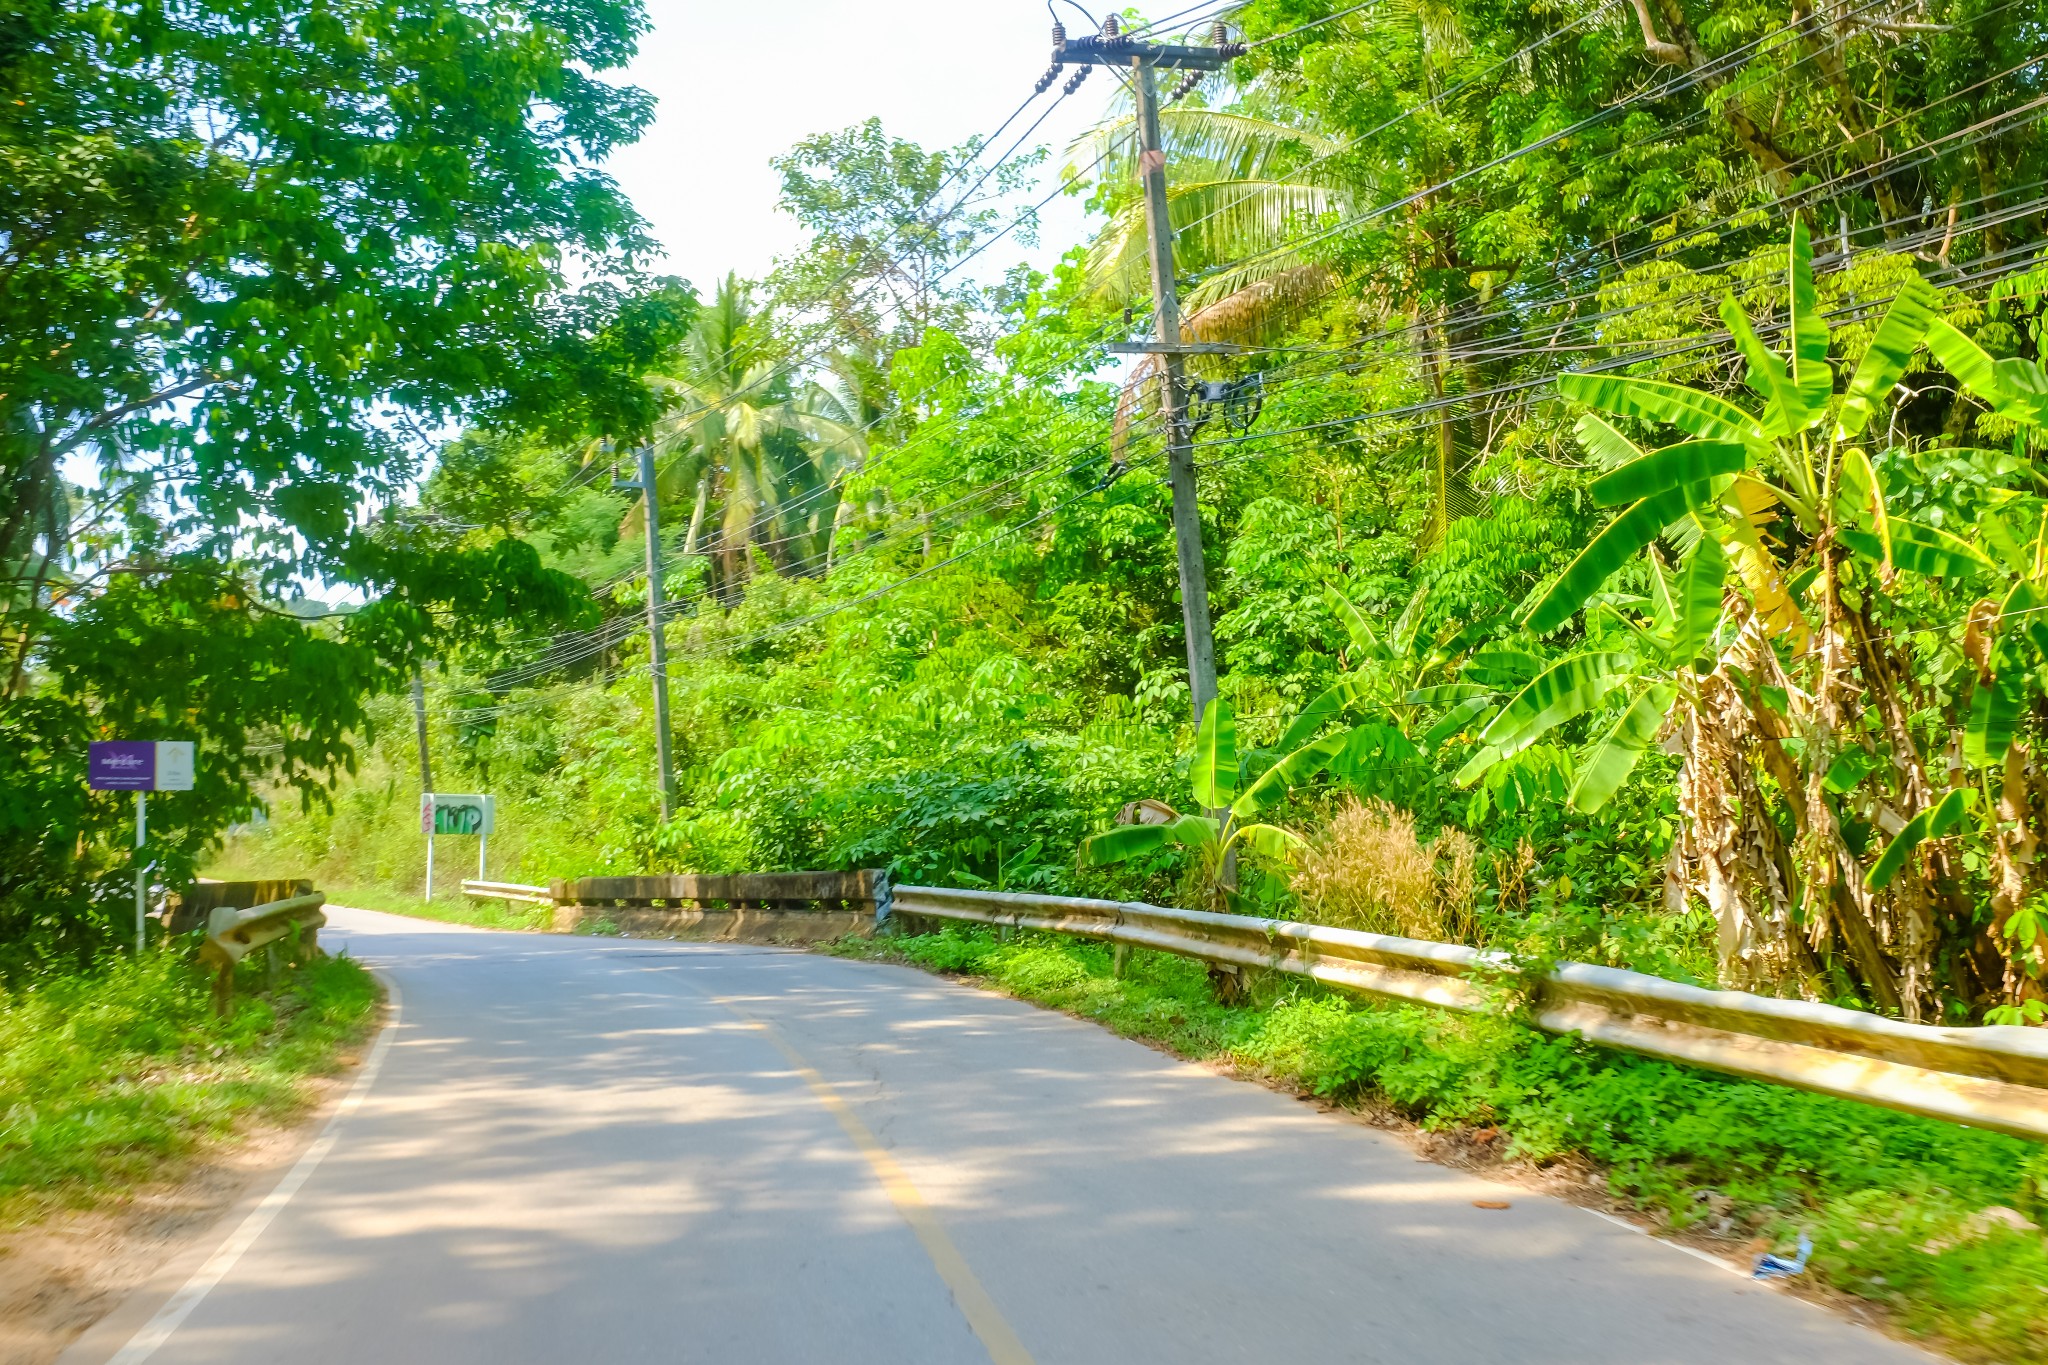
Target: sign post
140,766
454,813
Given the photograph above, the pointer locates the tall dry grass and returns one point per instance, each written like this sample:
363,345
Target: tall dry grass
1368,870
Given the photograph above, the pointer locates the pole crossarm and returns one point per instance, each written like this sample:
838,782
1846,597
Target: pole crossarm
1174,348
1097,51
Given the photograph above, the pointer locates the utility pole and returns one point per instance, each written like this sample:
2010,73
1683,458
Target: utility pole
657,642
1144,59
419,724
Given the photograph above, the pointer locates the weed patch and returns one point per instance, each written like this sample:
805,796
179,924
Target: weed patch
107,1076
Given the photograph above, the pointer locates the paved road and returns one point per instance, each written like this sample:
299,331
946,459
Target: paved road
616,1150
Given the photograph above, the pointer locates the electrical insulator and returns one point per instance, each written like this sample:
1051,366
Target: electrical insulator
1059,36
1110,27
1219,33
1074,81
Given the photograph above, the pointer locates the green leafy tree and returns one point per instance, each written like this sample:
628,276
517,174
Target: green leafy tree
760,452
250,253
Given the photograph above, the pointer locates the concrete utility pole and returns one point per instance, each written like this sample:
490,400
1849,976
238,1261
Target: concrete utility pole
657,642
1144,59
419,723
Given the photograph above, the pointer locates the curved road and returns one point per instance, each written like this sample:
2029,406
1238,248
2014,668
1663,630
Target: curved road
615,1150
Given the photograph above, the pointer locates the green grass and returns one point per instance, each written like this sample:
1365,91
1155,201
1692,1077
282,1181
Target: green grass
107,1078
457,909
1895,1204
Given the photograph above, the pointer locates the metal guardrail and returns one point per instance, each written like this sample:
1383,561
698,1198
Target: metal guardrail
507,891
233,933
1994,1077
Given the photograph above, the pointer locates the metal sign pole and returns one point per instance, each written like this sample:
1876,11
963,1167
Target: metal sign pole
429,894
483,841
141,831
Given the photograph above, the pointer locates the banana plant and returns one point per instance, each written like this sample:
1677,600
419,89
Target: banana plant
1230,821
1760,652
1368,694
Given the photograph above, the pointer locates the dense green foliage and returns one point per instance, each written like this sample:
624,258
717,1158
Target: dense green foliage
251,254
1895,1205
1682,647
106,1077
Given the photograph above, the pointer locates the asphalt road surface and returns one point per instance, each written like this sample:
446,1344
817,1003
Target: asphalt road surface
606,1150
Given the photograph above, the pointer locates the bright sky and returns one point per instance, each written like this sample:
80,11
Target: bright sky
741,82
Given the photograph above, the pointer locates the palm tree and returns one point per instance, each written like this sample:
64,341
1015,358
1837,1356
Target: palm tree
758,454
1245,193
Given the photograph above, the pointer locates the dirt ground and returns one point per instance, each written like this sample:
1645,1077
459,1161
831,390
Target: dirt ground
63,1273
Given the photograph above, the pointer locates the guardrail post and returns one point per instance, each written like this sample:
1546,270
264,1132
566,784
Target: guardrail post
882,899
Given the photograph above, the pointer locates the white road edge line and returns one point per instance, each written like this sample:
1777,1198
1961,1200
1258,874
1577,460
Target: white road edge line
1694,1252
179,1306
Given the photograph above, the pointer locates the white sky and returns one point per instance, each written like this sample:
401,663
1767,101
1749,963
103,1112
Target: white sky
740,83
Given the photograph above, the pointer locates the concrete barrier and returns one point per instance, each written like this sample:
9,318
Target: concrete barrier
758,907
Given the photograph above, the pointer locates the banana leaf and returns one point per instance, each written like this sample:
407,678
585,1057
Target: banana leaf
1289,773
1891,351
1919,548
1604,441
1456,719
1616,754
1270,840
1566,689
1409,621
2025,613
1123,843
1501,667
1808,353
1213,773
1363,637
1619,542
1327,706
1659,400
1931,823
1785,410
1444,694
1966,360
1859,496
1688,462
1850,767
1696,599
1995,711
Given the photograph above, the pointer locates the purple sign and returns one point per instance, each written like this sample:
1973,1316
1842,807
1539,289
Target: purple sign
123,765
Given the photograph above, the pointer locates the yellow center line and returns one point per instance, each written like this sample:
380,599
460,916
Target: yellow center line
974,1302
